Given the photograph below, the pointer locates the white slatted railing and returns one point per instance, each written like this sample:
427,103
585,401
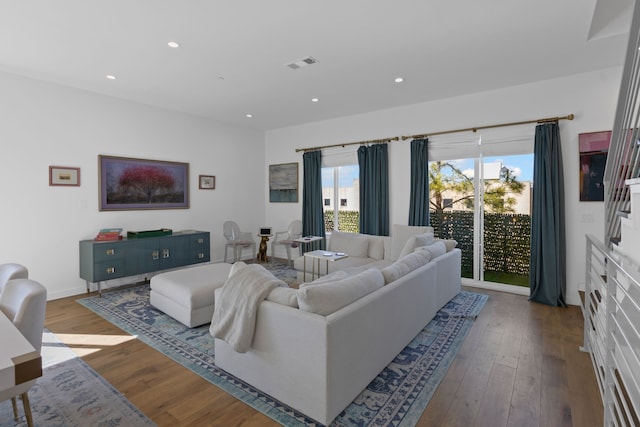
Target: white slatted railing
623,159
611,311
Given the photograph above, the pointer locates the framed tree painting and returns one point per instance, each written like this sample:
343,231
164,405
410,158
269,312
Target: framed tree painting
128,184
283,182
593,148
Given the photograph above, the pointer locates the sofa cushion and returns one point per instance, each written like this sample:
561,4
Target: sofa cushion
352,244
376,246
416,241
285,296
405,265
435,249
399,236
327,298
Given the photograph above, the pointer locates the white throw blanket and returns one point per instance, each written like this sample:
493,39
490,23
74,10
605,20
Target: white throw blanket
234,316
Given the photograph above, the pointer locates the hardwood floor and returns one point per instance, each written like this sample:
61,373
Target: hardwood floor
519,366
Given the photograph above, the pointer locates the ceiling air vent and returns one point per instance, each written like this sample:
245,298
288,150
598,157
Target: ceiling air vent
299,63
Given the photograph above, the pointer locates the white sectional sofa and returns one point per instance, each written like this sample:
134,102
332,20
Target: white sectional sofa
318,363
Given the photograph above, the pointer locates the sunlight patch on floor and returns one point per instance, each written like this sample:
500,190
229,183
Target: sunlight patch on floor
84,344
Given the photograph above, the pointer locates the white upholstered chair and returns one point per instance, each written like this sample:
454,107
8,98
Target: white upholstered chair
24,302
286,238
10,271
237,240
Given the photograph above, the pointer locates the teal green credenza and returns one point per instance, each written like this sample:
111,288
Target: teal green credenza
106,260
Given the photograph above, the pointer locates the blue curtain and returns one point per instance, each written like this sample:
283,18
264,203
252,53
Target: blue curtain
419,195
374,189
312,213
547,274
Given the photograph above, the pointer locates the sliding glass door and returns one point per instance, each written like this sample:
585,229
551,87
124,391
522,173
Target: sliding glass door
484,203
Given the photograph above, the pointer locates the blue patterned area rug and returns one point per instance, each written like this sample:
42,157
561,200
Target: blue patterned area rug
70,393
398,396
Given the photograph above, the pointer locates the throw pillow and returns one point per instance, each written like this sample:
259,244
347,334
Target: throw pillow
394,272
435,249
399,236
327,298
415,260
405,265
425,239
415,241
409,247
352,244
284,296
449,244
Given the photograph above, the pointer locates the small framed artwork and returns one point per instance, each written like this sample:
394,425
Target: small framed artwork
283,182
207,182
593,148
65,176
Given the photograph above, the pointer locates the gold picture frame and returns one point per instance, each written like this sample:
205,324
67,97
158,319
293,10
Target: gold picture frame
64,176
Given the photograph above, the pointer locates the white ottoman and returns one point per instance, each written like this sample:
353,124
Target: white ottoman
187,295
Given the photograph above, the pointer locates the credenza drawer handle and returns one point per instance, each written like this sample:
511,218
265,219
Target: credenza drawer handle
110,251
200,255
111,270
165,253
200,240
155,255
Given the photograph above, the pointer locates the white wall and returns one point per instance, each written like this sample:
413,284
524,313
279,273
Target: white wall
44,124
591,97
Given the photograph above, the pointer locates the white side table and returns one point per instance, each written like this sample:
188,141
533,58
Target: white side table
305,240
317,257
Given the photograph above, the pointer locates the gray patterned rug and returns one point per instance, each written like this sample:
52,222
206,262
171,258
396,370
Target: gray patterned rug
398,396
70,393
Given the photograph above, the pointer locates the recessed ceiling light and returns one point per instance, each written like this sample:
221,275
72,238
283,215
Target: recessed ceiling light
249,116
299,63
110,76
173,45
314,99
399,79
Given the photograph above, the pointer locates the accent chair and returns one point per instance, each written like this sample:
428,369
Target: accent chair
237,240
286,238
10,271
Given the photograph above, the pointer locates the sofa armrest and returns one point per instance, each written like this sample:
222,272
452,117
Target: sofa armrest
363,336
449,276
287,359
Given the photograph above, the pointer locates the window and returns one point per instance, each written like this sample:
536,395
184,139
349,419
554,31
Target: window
341,188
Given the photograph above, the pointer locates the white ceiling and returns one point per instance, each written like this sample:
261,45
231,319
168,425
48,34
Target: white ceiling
232,54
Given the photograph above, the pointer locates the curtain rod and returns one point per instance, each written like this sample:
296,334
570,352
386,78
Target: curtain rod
474,129
373,141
